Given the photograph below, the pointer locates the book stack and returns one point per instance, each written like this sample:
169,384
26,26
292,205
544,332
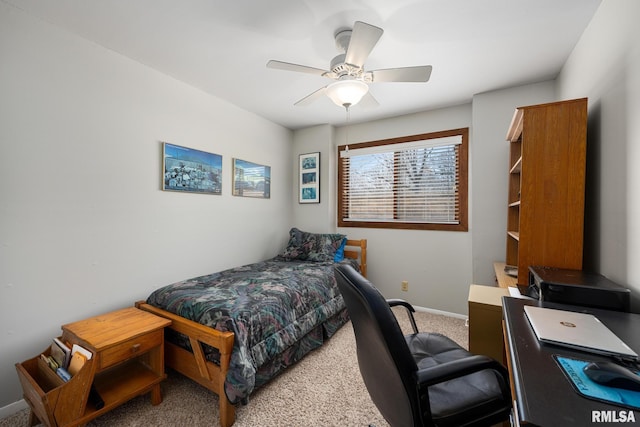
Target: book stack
66,360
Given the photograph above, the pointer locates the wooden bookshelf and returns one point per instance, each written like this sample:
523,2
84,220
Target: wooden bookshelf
547,163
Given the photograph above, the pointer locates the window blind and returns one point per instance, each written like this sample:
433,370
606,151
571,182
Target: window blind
416,181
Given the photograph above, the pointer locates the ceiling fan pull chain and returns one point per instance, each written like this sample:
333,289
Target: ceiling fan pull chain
346,131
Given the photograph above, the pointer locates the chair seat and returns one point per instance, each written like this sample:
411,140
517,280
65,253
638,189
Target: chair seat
458,399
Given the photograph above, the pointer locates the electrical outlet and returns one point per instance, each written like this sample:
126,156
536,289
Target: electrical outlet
405,285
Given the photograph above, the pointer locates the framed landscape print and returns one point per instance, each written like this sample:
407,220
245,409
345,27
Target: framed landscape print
251,179
189,170
309,185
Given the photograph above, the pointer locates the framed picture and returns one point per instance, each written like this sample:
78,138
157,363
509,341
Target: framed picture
188,170
251,179
309,185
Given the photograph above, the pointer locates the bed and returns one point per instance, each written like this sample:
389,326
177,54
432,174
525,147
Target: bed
234,330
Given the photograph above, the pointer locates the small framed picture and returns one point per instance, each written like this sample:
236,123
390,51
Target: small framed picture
251,179
309,185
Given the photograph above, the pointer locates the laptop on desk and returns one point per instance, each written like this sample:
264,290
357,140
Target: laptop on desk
580,331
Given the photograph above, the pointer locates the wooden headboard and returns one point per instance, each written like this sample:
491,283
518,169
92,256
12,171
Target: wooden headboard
357,249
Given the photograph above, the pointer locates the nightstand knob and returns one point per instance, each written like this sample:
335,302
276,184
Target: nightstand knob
135,348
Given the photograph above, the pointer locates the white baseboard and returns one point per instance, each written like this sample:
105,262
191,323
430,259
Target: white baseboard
443,313
12,408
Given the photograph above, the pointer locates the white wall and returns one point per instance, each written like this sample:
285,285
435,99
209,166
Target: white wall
438,265
605,67
84,226
315,217
492,113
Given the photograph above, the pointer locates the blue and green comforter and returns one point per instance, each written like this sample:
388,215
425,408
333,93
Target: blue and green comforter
278,310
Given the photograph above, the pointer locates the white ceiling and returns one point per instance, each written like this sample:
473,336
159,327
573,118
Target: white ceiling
222,46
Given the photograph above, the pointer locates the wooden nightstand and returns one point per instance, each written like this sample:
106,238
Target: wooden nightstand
127,361
128,345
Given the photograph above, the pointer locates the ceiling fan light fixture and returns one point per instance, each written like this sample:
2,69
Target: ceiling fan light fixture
346,93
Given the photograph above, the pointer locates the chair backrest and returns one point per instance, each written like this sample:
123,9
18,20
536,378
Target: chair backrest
384,358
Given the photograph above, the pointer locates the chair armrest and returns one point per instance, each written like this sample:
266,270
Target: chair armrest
408,307
459,368
393,302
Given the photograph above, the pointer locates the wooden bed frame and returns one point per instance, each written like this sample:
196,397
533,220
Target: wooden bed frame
196,366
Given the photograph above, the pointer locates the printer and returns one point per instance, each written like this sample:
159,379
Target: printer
577,287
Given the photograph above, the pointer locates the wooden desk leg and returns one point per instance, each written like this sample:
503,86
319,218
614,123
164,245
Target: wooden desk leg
156,395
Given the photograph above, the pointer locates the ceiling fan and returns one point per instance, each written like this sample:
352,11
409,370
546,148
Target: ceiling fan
351,84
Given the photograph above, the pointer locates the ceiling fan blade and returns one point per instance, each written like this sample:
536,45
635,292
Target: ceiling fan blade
368,101
406,74
279,65
311,97
363,39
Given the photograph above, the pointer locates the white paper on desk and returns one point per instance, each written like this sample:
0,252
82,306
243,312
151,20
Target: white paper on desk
515,292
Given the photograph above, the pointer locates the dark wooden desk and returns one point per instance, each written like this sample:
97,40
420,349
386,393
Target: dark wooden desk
542,394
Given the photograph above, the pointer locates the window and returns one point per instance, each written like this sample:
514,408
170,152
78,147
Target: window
413,182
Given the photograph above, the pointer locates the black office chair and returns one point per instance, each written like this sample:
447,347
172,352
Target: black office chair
422,379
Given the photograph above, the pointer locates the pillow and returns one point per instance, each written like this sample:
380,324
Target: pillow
339,256
312,247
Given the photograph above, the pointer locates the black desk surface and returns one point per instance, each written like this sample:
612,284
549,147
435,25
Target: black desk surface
544,396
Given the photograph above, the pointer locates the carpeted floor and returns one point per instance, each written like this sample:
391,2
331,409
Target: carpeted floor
324,389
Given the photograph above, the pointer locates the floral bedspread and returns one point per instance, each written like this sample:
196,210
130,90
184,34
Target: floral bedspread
269,306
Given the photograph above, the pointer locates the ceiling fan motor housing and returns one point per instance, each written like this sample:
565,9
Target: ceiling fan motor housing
338,66
341,69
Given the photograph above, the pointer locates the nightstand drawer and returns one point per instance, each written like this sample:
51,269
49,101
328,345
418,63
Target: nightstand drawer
129,349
